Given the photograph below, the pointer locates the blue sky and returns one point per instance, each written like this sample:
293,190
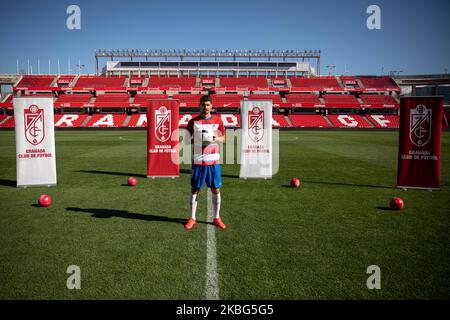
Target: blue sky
413,35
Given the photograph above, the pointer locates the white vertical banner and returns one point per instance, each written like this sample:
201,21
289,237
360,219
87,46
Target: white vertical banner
256,139
35,141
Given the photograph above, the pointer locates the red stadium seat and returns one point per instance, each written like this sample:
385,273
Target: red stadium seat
279,81
227,100
379,101
279,121
188,100
275,98
69,120
136,81
112,100
138,120
175,82
378,83
34,82
8,123
243,82
96,82
340,101
385,121
309,121
73,100
106,120
349,121
141,100
303,100
315,84
65,80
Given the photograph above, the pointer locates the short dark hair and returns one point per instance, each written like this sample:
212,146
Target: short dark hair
205,98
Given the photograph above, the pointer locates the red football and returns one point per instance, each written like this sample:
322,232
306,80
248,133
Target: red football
295,182
45,200
132,181
396,203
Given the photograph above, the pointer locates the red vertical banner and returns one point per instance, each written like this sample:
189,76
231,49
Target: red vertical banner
162,139
419,159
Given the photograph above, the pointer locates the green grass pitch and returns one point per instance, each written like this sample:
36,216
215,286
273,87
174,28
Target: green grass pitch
314,242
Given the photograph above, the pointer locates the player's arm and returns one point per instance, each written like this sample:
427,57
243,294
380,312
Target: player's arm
189,133
220,138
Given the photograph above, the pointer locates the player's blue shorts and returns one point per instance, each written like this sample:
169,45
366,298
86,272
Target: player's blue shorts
209,174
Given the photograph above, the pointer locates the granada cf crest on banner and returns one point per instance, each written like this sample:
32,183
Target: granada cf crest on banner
256,124
34,124
419,158
420,125
163,123
162,138
35,141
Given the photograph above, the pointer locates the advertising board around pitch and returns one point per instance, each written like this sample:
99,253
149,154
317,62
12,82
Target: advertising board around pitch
35,141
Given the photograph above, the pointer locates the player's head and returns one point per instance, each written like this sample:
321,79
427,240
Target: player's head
205,105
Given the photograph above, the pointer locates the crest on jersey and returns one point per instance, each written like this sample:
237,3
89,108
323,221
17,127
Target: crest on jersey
420,125
163,124
256,124
34,125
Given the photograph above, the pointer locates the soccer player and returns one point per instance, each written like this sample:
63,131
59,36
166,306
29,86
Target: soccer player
206,132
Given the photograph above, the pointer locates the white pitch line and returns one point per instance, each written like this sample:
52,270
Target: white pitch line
212,278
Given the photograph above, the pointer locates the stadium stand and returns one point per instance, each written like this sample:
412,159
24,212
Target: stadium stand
99,82
161,82
85,100
349,81
8,123
315,84
309,121
7,102
384,121
340,101
379,101
65,80
34,82
279,121
349,121
73,100
243,82
69,120
227,100
378,83
187,100
279,81
208,81
140,120
137,121
136,81
106,120
140,100
112,100
275,98
303,100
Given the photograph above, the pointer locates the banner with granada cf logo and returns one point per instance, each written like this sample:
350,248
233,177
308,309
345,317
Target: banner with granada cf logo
419,160
256,139
162,139
35,141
